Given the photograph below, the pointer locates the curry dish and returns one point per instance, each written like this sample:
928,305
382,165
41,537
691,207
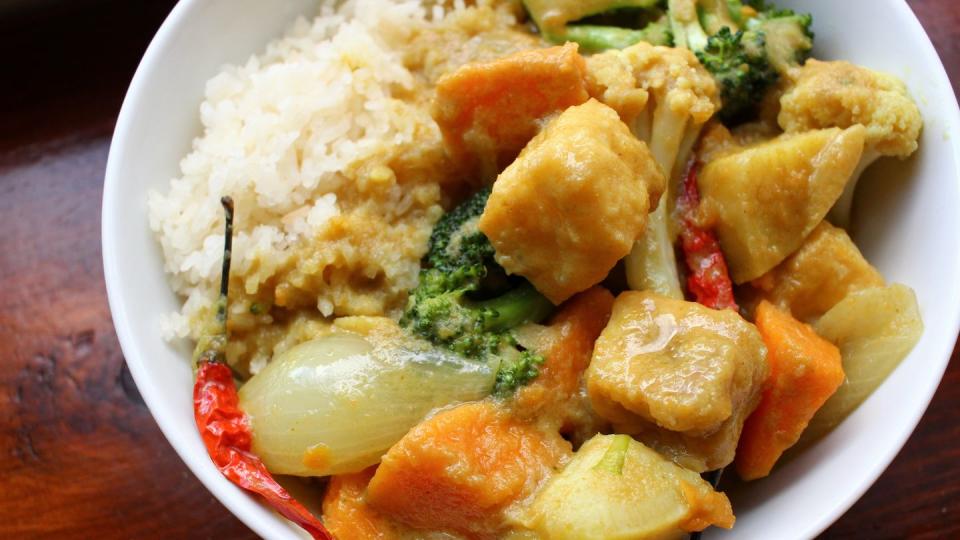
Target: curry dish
531,270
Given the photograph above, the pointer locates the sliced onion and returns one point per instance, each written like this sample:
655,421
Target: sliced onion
874,329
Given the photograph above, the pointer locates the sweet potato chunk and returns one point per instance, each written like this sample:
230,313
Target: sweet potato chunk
573,203
826,268
567,345
488,111
678,375
766,199
805,370
567,342
346,514
459,470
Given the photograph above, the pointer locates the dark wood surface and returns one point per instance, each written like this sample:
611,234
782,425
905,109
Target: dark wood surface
80,456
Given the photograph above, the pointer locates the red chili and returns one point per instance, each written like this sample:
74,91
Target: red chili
709,281
227,436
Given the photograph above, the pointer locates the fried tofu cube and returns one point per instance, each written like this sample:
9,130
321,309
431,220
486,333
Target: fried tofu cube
488,111
819,275
573,202
680,376
767,198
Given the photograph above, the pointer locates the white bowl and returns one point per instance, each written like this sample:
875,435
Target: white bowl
908,229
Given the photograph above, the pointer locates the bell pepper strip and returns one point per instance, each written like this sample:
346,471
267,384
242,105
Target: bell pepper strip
708,280
223,427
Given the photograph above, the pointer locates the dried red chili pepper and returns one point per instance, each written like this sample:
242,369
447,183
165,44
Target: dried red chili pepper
223,426
226,434
708,281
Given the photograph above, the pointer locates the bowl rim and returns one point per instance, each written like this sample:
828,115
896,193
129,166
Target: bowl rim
239,502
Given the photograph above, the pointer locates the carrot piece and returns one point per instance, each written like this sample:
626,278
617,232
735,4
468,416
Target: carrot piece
488,111
460,469
346,513
567,346
805,370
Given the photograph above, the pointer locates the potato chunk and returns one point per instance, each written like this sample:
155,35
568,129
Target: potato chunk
767,198
821,273
488,111
617,488
573,203
680,376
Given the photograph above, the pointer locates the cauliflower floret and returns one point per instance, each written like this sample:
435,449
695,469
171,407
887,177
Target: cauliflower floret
573,203
659,91
840,94
666,97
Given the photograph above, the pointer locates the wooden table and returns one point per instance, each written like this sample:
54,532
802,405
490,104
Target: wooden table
80,455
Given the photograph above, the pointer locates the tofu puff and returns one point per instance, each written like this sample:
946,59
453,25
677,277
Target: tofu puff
573,202
679,376
489,110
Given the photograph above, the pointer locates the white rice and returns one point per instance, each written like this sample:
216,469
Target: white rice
326,144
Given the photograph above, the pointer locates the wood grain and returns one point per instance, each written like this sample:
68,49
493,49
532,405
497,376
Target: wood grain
79,453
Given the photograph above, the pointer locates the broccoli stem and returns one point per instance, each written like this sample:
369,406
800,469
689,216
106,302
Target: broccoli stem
518,306
594,38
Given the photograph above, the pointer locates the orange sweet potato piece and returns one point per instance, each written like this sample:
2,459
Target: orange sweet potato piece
567,346
458,470
805,370
346,513
488,111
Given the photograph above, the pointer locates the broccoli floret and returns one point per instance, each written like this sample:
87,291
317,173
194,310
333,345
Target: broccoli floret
518,371
456,243
746,45
466,303
739,64
789,36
